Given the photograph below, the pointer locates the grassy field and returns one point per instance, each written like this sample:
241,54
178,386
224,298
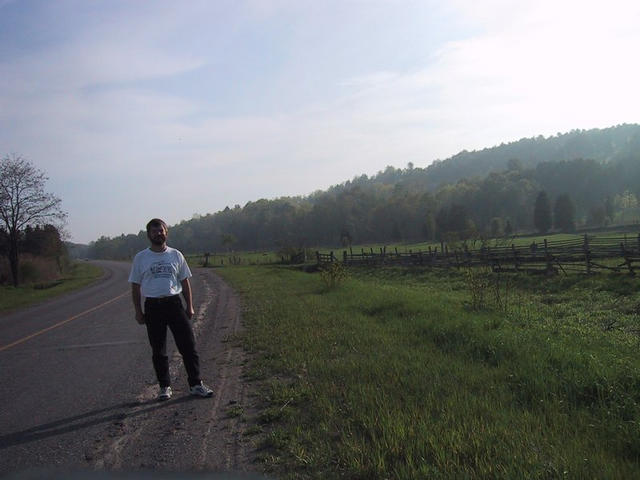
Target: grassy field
80,274
407,374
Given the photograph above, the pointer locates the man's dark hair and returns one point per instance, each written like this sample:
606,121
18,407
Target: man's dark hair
156,222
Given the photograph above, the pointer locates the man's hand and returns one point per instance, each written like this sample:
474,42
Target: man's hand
137,297
186,293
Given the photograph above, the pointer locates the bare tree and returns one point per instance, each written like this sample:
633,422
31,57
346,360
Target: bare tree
23,202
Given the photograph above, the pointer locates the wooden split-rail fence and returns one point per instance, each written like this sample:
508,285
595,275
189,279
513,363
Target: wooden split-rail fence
584,255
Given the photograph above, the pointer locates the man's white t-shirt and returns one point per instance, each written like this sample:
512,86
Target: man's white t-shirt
159,274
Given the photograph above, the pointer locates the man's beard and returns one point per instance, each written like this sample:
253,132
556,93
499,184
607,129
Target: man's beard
158,240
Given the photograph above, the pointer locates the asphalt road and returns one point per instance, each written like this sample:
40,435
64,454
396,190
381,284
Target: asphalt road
66,368
77,385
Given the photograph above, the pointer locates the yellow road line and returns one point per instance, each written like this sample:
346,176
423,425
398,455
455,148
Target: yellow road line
59,324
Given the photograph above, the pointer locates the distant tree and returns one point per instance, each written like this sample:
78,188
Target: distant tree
429,226
23,202
597,215
542,213
514,164
455,221
564,213
345,238
609,208
497,227
45,241
508,229
228,240
627,205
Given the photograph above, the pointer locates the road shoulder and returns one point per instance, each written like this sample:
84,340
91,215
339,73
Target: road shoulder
189,433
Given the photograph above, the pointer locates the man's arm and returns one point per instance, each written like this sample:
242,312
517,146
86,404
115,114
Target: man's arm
186,293
137,297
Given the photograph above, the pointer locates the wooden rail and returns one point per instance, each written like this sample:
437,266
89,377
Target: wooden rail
587,254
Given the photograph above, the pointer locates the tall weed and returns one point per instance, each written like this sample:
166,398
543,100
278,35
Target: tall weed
333,274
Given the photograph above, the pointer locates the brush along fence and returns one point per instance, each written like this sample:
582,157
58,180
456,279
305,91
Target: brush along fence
584,255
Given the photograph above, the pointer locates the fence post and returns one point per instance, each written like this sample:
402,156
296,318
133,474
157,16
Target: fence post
547,256
587,258
515,257
488,260
627,260
344,257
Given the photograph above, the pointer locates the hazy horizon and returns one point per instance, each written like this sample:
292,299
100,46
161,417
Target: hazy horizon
137,110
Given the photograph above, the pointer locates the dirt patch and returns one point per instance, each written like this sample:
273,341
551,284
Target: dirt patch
188,433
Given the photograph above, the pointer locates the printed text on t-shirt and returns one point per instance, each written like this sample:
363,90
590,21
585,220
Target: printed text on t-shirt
162,270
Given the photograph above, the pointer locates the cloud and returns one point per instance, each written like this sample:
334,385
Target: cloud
525,69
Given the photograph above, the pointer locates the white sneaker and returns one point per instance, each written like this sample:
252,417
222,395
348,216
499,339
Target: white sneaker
201,390
165,393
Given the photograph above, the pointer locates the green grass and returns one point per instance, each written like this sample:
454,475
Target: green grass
398,374
80,275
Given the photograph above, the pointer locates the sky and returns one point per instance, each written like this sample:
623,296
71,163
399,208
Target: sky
141,109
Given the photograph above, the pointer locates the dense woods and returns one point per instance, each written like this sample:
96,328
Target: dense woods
579,179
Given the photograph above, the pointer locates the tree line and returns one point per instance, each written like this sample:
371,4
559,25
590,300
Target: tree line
27,213
402,204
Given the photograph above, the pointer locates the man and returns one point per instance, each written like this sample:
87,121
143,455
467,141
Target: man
160,274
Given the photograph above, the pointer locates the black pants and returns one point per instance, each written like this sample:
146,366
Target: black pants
159,314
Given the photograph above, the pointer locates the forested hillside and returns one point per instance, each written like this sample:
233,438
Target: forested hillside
604,145
589,178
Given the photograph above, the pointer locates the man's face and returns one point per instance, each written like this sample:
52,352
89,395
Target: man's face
157,234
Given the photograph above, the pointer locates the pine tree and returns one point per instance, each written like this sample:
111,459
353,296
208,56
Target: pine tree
564,213
542,213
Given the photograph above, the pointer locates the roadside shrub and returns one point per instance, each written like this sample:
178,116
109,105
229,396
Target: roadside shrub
5,271
34,269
